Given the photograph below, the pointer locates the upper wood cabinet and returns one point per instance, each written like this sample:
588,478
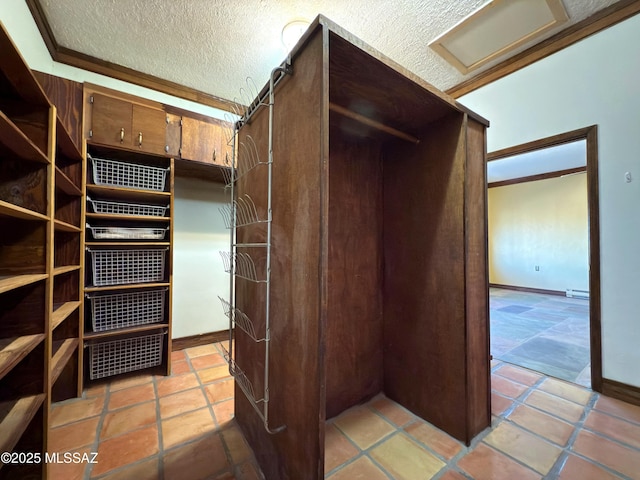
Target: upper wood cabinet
204,140
121,123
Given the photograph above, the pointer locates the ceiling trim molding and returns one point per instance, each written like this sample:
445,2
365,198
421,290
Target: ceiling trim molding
601,20
86,62
534,178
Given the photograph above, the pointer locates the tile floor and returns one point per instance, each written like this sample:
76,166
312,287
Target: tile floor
182,427
546,333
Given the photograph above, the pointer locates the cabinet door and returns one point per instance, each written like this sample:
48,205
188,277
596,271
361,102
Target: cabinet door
199,140
111,121
173,135
149,129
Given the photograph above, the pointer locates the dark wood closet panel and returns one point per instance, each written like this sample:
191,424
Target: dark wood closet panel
378,253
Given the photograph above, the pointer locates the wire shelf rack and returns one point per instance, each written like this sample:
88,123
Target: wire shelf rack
241,265
240,320
128,175
122,267
240,213
120,310
125,355
124,208
127,233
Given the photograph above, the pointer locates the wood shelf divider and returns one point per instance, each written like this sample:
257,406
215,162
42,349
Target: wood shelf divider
125,287
12,282
62,312
10,210
64,351
13,350
124,331
15,417
61,226
64,183
65,269
15,140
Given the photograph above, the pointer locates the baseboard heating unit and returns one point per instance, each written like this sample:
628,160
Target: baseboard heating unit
572,293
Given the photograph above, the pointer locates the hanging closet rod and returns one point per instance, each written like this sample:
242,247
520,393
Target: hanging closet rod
372,123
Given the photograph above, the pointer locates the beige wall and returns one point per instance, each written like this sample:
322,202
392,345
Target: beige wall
542,223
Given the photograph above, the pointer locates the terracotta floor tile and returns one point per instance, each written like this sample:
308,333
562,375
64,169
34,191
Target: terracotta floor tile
485,463
405,459
452,475
435,439
73,435
555,406
119,451
361,469
236,444
363,426
566,390
224,411
208,361
127,382
71,470
182,402
186,427
131,396
128,419
392,411
337,448
177,383
499,404
247,471
212,374
221,390
74,410
98,390
147,470
618,429
578,468
521,445
201,350
196,460
506,387
609,453
180,368
178,356
520,375
549,427
618,408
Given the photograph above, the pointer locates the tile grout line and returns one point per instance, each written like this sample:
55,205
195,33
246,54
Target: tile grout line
96,444
159,428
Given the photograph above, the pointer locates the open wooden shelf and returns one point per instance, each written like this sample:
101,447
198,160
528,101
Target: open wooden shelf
15,140
15,417
65,269
63,349
62,312
13,350
65,143
10,210
128,194
122,331
11,282
61,226
64,183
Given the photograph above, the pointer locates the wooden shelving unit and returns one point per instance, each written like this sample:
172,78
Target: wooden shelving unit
128,223
41,266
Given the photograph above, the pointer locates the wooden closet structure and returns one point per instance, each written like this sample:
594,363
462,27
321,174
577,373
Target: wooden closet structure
378,252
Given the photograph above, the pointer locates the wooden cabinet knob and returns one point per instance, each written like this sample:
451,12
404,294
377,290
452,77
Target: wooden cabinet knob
139,139
121,135
214,155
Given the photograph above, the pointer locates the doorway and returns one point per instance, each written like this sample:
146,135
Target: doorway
567,309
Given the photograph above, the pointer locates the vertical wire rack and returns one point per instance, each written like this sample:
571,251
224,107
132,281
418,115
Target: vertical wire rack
242,212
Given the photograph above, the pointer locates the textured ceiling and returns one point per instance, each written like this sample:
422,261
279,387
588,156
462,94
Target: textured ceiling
214,45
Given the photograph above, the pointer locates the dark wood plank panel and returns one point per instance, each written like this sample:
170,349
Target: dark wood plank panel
477,287
296,372
66,95
424,300
354,311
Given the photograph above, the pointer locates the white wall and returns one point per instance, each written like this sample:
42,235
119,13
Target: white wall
592,82
198,276
543,223
198,272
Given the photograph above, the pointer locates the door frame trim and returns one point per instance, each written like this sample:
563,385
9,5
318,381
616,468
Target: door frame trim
590,134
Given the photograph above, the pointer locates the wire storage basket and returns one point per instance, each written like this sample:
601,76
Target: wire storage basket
120,310
128,233
124,355
122,267
124,208
115,173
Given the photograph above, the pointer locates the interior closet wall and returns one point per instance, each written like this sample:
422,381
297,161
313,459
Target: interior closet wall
198,273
